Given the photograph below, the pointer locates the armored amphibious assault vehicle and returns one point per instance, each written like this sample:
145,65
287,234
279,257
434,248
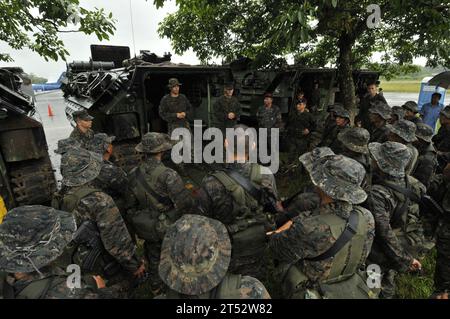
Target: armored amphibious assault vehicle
123,93
26,174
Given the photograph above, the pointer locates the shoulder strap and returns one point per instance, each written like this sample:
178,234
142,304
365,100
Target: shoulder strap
350,230
79,194
140,178
245,183
36,289
403,190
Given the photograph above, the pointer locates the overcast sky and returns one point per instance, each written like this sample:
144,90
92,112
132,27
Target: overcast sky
145,21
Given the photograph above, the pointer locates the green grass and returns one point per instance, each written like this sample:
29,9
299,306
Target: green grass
421,286
406,86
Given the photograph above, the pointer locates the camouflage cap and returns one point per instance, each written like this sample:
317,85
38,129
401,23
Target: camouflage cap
67,144
382,109
173,82
82,115
341,112
404,129
411,106
340,177
99,144
309,158
32,237
446,111
424,132
79,167
399,111
391,157
154,143
195,255
355,139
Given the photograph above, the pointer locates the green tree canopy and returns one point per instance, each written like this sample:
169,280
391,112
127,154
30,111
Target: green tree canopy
316,32
36,79
38,24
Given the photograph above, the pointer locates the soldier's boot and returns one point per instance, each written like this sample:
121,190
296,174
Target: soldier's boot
152,254
388,284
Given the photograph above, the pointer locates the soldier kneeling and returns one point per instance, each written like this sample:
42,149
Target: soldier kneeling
320,253
195,256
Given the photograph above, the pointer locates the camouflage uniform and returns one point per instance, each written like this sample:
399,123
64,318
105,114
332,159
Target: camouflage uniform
87,203
412,106
331,139
406,131
442,140
64,145
379,134
297,124
222,107
397,113
427,160
83,138
313,233
442,271
195,256
365,104
170,106
269,117
111,179
354,145
240,212
399,233
32,239
163,199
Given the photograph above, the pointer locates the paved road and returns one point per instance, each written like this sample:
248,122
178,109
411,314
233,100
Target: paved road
395,98
56,127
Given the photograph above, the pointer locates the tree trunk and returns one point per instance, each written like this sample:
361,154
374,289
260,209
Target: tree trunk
345,74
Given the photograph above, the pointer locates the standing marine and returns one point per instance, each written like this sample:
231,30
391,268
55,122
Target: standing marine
227,109
82,131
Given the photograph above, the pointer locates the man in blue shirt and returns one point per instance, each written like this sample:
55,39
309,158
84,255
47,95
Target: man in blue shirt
430,111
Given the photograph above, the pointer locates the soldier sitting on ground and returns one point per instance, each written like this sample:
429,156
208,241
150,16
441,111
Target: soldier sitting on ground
354,145
397,113
195,258
112,179
157,199
399,233
320,252
411,112
236,196
405,132
82,132
95,212
442,139
342,117
427,161
33,240
379,115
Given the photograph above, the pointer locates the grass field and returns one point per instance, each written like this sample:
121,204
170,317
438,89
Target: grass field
407,86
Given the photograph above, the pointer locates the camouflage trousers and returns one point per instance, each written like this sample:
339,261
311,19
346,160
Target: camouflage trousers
442,271
152,252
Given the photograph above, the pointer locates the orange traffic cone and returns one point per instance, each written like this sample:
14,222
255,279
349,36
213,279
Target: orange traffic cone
50,111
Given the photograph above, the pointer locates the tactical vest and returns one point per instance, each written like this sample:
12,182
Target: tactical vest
344,279
248,231
83,252
229,288
411,167
70,201
152,217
